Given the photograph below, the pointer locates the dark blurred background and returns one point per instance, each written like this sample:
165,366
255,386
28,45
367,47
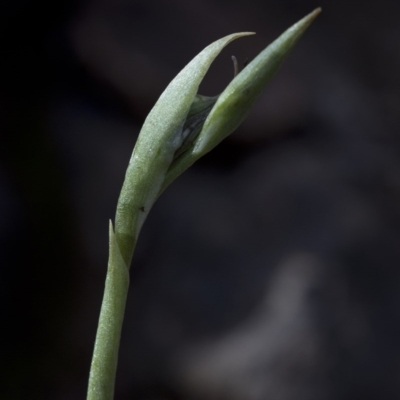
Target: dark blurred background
269,270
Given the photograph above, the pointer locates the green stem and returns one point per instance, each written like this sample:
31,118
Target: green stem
105,354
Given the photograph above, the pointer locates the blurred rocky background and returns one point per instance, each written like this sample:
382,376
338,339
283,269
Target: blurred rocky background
269,270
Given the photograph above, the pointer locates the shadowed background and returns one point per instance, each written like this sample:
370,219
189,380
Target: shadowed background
269,270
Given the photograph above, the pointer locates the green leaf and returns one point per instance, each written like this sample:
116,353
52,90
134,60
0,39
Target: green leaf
159,139
237,99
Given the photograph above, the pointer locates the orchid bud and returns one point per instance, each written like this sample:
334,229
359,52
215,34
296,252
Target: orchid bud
235,102
183,126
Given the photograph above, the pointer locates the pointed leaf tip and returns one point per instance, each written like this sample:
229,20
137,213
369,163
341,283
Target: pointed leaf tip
239,96
236,100
305,22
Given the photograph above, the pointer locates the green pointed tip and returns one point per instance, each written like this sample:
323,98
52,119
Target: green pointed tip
313,14
301,26
238,98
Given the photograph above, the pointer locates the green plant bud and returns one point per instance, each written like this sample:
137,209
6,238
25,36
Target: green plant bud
235,102
160,138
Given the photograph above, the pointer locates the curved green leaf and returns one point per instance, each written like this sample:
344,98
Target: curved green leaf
157,143
236,100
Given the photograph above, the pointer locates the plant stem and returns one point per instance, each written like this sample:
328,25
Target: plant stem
105,354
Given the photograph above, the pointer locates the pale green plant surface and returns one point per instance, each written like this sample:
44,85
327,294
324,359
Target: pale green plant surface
159,139
104,362
181,128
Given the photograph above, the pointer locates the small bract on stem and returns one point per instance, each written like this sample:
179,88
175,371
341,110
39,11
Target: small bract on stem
181,128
